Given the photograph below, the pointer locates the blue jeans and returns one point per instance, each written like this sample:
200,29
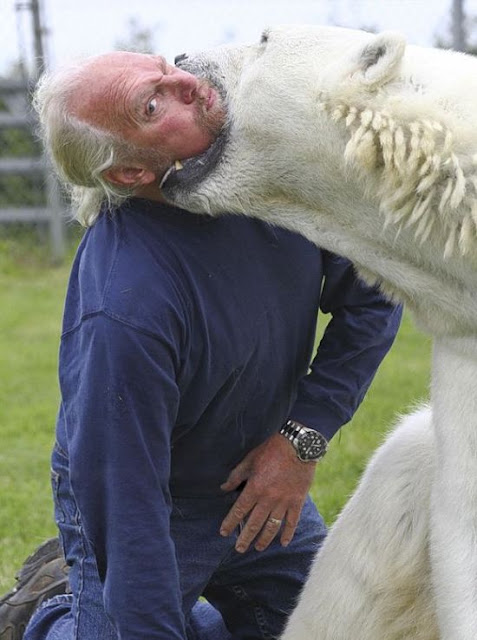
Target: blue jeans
248,596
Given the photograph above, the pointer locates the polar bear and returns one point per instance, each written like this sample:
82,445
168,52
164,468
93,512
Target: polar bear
368,147
371,579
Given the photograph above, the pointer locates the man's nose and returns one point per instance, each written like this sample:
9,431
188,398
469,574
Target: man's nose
183,84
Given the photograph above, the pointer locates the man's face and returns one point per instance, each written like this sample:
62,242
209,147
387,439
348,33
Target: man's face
151,104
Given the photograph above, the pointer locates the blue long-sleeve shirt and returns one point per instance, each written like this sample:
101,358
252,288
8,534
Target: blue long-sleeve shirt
186,343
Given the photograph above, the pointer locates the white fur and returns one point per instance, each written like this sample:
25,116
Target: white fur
368,148
372,577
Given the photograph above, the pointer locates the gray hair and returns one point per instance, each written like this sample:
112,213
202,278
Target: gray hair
80,152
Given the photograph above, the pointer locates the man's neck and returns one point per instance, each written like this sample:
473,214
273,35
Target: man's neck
150,192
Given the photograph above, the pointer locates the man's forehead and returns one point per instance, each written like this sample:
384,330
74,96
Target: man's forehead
124,59
105,78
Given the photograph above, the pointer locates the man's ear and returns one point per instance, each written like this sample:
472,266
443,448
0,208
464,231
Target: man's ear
380,60
129,176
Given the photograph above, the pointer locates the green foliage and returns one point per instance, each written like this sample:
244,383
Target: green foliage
16,143
31,299
20,142
18,191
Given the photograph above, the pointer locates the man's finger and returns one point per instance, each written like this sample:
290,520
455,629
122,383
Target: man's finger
238,475
270,529
236,515
289,526
254,525
235,479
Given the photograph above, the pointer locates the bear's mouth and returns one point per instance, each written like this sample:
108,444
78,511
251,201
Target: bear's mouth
186,175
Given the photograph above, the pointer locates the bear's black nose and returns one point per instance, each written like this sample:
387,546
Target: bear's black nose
180,58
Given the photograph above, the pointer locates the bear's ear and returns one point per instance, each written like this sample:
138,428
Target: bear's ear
380,60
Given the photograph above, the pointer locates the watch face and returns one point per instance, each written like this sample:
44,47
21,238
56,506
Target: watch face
311,446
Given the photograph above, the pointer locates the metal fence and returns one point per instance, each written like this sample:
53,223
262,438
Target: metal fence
29,193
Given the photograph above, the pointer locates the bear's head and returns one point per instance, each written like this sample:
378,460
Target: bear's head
278,94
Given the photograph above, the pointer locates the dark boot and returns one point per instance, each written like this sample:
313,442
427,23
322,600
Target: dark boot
44,574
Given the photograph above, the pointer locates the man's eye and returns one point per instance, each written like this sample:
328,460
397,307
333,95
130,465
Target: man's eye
151,106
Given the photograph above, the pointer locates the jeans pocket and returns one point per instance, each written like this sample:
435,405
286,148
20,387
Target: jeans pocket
66,510
60,515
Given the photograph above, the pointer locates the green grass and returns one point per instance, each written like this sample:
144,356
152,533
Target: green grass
400,384
31,301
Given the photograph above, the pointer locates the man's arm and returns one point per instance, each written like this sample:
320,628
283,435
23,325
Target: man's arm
120,401
360,333
362,329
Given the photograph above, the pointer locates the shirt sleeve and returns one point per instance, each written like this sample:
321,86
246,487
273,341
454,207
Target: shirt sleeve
360,333
120,401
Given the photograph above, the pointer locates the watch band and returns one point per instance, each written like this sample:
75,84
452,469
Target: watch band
291,429
309,444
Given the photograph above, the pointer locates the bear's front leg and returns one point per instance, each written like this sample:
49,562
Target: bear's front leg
454,494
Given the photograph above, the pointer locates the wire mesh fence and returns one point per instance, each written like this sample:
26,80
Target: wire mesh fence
29,195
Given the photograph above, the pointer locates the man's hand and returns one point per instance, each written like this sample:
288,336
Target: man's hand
277,484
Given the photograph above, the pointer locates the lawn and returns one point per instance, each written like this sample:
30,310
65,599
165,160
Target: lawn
31,300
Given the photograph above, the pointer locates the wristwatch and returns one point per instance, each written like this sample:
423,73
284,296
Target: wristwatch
310,445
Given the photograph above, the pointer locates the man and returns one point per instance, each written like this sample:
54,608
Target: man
190,425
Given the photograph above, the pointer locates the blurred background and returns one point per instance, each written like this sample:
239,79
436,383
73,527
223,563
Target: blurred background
37,242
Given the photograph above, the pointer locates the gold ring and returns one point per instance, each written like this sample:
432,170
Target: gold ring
275,521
